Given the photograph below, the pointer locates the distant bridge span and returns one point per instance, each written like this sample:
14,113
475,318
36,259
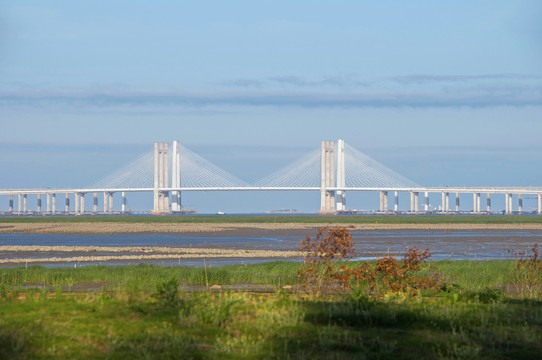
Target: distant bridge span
332,172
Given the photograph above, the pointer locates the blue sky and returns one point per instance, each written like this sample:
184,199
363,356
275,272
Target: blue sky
444,92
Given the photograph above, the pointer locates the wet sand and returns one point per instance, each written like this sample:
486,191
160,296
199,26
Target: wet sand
142,228
225,228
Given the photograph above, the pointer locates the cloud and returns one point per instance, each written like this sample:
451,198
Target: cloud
244,83
293,91
426,78
292,81
354,81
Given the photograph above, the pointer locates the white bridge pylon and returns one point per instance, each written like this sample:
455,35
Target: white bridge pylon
330,171
344,167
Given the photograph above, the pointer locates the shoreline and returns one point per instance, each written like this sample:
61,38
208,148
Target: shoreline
106,228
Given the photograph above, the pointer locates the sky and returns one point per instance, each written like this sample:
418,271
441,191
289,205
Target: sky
443,92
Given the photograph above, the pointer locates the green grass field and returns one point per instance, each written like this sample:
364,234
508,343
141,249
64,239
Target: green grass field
142,312
269,219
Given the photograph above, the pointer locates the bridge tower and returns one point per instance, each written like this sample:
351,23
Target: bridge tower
161,177
327,199
176,177
340,196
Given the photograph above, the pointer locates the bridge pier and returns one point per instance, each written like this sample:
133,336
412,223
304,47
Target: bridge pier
426,207
82,210
385,206
476,202
77,196
383,201
508,203
442,201
456,202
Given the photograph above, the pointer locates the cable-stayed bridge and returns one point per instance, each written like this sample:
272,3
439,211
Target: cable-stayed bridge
333,170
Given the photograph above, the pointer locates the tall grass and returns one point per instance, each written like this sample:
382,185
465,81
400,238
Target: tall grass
477,274
146,277
467,274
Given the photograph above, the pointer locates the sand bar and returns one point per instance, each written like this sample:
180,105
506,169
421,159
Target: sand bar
136,253
195,228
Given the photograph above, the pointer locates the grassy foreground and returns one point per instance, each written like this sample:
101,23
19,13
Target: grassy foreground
140,312
270,219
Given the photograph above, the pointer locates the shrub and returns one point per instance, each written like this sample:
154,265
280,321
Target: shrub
484,296
320,275
528,271
216,310
167,294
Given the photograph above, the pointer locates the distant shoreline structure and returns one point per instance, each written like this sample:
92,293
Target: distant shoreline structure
284,211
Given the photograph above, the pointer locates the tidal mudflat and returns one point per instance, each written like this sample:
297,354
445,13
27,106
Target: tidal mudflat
222,244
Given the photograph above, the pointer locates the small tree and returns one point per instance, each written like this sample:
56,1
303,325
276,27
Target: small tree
319,275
